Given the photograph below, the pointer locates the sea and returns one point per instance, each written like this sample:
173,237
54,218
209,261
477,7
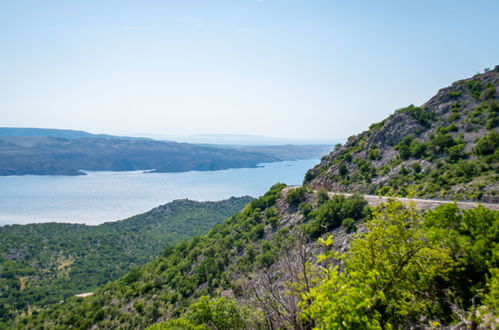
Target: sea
110,196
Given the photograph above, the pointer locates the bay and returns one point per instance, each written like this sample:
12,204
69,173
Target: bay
109,196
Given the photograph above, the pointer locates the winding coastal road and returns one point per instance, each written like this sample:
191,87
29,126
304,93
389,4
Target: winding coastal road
420,203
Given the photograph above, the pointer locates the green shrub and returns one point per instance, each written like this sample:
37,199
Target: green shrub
331,214
374,154
475,88
416,167
305,208
322,196
422,116
488,144
349,225
309,176
296,195
488,93
456,152
447,129
442,141
343,169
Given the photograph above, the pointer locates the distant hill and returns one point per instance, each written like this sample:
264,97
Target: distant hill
59,156
447,148
241,140
284,152
65,152
44,263
58,133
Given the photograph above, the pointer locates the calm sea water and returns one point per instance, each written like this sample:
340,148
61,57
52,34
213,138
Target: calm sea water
108,196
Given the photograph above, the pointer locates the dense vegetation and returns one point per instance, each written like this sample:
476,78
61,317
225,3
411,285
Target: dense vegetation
447,148
425,269
411,271
45,263
208,265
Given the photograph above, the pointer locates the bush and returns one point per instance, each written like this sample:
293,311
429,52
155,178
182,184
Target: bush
442,141
331,214
416,167
456,152
488,144
374,154
349,225
322,196
423,117
309,176
296,195
488,93
343,169
305,208
475,88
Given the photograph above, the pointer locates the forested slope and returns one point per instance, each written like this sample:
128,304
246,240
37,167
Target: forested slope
45,263
264,268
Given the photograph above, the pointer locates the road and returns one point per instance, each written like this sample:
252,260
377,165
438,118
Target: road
420,203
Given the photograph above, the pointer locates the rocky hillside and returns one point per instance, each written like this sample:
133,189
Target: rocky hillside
447,148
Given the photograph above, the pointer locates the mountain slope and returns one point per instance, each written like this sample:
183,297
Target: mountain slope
447,148
44,263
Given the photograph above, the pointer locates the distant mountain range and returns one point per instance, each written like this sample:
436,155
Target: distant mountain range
67,152
59,133
240,139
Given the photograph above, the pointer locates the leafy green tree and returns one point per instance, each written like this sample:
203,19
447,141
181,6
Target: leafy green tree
209,313
388,276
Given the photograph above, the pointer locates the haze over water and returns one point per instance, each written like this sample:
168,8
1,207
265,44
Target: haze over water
109,196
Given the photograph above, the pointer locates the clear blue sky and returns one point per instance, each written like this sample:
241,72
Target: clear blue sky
309,68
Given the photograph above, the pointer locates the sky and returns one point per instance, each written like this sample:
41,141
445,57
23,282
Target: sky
279,68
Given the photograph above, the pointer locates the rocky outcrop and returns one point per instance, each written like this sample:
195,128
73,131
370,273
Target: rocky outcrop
428,151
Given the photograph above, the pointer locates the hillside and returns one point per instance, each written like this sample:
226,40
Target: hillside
304,258
58,156
44,263
260,269
447,148
63,152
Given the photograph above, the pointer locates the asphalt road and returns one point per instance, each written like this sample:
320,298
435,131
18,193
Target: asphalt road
422,203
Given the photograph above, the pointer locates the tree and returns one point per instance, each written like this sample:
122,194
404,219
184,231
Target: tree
387,277
209,313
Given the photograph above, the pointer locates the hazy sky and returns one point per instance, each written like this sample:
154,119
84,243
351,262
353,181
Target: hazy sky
309,68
